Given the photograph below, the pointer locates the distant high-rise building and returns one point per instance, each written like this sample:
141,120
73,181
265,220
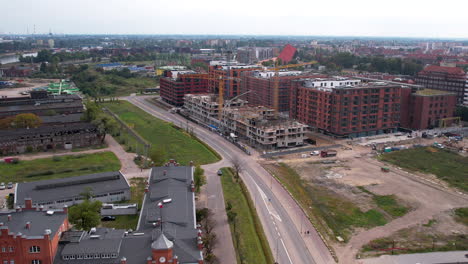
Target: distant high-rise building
451,79
51,43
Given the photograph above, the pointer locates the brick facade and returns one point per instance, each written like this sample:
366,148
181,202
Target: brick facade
361,110
172,90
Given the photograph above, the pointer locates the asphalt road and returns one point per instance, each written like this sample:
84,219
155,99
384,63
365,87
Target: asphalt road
281,217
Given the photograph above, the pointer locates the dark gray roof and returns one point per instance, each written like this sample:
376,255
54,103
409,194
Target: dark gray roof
68,188
71,118
18,134
104,240
33,108
39,222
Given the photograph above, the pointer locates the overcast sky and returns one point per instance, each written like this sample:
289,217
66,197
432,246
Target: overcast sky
404,18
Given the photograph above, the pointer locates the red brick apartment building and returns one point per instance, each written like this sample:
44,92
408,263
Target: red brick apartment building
224,71
424,108
261,84
346,107
31,235
175,84
451,79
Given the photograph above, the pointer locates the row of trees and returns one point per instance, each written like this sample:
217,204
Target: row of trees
46,55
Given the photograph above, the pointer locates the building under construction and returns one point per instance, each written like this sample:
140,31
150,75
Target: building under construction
230,73
175,84
258,126
259,85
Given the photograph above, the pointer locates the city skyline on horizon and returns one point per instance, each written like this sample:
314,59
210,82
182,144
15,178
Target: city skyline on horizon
401,19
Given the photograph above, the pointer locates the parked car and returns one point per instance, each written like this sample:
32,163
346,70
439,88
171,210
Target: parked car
10,185
2,186
108,218
315,153
220,172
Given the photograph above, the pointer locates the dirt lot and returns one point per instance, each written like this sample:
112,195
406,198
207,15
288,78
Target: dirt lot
29,85
357,167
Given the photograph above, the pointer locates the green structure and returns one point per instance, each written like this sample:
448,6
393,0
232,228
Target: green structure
63,87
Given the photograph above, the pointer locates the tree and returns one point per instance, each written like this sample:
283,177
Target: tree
237,167
86,214
199,178
26,121
105,124
158,156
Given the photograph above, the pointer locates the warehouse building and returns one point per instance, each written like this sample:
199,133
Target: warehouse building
106,187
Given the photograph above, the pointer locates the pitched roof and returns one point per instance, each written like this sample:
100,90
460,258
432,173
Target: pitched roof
287,54
71,187
162,243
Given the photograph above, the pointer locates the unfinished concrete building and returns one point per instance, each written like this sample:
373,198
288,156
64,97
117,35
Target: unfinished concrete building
204,108
259,127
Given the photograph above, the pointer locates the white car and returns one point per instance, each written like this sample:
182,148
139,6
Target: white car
2,186
315,153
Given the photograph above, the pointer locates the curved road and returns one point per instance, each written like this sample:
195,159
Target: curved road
281,217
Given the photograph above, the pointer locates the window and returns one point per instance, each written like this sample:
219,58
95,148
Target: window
12,262
34,249
35,261
3,249
12,249
5,262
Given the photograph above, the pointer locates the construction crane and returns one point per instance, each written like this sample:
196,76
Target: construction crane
221,80
277,80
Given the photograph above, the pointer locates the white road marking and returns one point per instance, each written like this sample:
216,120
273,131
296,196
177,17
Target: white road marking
265,198
285,249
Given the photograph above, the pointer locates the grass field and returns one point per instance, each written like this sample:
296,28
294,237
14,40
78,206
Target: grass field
461,215
446,165
59,167
163,136
137,189
331,214
248,236
388,203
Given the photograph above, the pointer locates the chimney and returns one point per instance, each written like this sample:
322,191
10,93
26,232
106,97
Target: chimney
41,208
1,223
9,218
28,225
28,203
65,209
192,186
200,243
176,259
18,209
191,163
123,260
199,233
164,172
149,260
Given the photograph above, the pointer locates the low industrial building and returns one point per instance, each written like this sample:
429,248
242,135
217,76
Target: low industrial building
106,187
167,231
61,124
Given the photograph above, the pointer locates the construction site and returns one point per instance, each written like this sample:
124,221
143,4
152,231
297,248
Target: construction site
257,126
383,194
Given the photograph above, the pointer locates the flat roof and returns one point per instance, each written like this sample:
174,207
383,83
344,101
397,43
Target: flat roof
433,92
71,187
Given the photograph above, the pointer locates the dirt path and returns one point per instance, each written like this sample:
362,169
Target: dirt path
129,168
422,197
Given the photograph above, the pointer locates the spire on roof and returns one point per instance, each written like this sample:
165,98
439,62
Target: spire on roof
162,243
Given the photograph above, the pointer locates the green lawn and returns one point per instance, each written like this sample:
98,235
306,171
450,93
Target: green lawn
59,167
247,232
331,213
446,165
137,189
163,136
